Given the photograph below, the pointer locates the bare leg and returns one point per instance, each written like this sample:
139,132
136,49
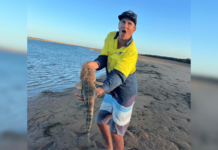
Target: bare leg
105,131
118,141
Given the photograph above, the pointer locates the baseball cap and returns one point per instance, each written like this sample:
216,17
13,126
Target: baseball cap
129,14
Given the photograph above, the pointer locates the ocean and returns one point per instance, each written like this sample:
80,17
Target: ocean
54,66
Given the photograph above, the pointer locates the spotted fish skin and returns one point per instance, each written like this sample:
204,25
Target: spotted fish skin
88,91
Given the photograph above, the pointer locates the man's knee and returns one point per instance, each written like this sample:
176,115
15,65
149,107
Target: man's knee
114,135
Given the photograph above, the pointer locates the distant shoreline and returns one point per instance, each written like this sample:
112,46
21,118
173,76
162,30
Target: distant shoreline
188,60
95,49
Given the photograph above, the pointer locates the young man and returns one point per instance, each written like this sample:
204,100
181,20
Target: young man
119,56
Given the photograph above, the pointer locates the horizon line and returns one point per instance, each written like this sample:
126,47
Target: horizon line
95,49
34,38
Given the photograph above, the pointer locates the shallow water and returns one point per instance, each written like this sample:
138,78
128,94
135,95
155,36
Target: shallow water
55,66
46,67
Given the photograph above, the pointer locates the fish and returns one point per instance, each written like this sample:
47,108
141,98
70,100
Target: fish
89,93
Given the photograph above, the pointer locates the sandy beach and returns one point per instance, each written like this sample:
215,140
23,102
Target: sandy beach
161,118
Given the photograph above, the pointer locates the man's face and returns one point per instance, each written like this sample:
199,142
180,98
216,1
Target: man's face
126,28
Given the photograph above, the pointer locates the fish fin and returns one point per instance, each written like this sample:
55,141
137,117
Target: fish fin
79,86
96,92
99,83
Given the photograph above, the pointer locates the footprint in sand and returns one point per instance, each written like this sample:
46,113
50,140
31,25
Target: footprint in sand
173,118
182,129
48,146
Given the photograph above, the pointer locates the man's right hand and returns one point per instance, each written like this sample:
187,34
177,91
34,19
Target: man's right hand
79,97
93,65
100,91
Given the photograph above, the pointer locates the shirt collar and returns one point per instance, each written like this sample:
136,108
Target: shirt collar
127,43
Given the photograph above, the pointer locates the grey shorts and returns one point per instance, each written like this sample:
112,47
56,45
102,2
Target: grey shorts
115,115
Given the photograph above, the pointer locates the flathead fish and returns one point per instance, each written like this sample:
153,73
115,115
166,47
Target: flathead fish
89,93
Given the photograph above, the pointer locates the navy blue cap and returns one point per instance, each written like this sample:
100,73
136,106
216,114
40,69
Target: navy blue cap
129,14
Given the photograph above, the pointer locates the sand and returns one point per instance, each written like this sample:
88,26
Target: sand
161,118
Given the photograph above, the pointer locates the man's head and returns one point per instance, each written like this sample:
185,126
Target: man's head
127,24
128,14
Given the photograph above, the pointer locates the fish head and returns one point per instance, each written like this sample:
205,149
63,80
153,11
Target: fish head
87,74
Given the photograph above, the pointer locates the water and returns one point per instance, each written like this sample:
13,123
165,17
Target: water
55,66
47,66
13,92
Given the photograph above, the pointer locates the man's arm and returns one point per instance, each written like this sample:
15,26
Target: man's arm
102,61
113,80
98,64
93,65
120,72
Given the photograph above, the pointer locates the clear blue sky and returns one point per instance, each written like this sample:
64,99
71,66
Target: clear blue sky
13,25
163,27
174,28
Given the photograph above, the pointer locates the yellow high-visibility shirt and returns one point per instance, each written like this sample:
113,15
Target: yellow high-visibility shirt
123,59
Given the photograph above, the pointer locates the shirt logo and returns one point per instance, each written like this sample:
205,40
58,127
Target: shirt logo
119,53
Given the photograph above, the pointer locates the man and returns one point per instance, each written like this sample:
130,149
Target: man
119,56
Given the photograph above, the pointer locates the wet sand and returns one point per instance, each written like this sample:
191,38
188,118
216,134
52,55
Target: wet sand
161,118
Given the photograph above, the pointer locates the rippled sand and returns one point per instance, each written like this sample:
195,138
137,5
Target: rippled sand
161,118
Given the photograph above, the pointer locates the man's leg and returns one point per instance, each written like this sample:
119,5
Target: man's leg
118,142
105,131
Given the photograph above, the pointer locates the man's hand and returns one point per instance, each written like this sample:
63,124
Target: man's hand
100,91
93,65
79,97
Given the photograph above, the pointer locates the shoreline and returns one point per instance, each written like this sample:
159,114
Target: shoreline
13,51
188,60
95,49
101,77
65,90
99,50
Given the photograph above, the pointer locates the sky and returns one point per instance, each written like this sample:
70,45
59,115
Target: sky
173,28
163,27
13,25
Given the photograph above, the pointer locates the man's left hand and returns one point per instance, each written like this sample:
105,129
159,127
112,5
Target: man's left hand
100,91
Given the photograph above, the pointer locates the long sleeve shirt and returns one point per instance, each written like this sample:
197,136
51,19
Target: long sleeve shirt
120,65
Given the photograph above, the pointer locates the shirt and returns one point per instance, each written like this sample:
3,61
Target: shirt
120,66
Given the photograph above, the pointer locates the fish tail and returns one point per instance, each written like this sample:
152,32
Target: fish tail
89,125
89,118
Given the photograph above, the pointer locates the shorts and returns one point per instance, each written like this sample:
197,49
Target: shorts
115,115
